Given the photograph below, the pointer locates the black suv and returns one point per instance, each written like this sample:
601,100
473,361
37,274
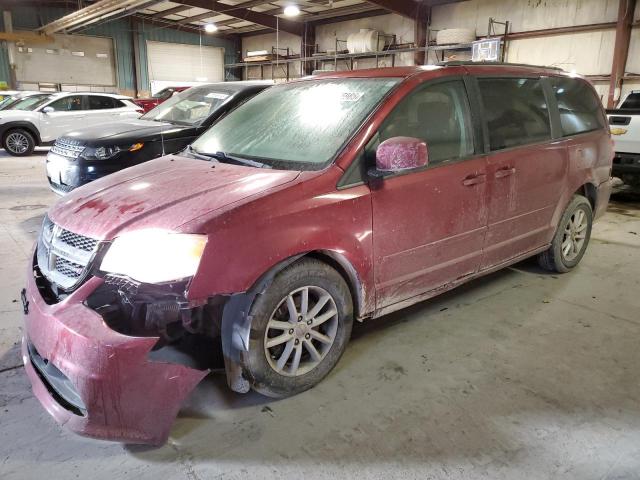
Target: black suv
82,156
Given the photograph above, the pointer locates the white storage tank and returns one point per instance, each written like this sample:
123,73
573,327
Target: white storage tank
366,40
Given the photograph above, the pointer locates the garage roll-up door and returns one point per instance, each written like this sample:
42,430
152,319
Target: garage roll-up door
184,63
70,59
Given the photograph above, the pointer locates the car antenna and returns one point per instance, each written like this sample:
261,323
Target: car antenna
162,138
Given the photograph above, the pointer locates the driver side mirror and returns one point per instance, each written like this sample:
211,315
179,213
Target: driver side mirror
48,110
399,154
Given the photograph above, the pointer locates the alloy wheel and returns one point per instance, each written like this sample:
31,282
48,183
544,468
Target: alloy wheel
575,233
301,331
17,143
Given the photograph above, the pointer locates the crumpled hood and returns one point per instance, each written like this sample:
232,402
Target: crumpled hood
164,193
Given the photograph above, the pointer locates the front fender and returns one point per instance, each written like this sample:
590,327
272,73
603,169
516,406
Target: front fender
236,327
21,124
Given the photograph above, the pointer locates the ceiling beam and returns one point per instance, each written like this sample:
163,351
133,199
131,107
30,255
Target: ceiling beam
171,11
264,19
406,8
172,24
195,18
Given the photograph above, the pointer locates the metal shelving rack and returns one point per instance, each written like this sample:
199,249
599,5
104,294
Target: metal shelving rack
390,50
340,57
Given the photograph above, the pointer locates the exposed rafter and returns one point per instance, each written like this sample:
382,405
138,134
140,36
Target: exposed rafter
263,19
406,8
171,11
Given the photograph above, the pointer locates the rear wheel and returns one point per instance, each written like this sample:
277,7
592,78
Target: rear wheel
19,142
571,239
301,326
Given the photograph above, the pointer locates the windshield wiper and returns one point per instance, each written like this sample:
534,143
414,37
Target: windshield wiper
226,158
202,156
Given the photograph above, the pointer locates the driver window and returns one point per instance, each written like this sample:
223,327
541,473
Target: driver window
439,114
67,104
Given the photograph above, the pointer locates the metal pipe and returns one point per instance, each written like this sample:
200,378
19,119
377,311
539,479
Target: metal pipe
114,15
97,10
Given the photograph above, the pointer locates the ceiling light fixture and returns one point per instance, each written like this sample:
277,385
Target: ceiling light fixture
291,10
210,28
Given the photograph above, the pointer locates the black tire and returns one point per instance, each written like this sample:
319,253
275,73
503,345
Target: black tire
304,273
25,140
554,259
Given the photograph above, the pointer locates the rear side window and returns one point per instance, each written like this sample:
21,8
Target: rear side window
632,102
580,108
516,111
97,102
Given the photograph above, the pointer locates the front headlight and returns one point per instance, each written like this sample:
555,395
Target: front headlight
100,153
154,256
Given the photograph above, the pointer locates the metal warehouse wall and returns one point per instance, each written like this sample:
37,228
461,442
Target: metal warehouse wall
326,35
588,53
29,18
4,57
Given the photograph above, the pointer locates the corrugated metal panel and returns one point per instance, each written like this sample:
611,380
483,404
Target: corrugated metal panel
28,18
5,74
588,53
524,15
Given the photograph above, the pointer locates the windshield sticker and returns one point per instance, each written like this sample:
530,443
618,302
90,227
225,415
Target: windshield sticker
220,96
351,96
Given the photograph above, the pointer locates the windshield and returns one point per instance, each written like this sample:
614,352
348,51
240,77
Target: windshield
32,102
300,125
189,107
164,93
632,102
6,102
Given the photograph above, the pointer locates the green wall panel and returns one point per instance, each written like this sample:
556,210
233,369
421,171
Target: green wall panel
122,32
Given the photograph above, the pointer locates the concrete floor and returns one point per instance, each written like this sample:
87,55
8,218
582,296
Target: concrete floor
521,374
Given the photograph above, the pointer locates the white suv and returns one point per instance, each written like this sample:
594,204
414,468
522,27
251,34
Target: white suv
39,121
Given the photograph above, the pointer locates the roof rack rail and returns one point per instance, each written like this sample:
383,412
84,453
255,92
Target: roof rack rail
499,64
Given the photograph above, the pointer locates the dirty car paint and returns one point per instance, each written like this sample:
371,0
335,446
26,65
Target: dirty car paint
414,233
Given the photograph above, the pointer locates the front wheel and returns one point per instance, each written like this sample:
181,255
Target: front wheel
19,142
301,326
571,239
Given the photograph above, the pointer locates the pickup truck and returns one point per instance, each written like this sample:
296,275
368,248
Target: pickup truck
624,123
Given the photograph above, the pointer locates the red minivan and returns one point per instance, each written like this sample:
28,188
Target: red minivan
317,203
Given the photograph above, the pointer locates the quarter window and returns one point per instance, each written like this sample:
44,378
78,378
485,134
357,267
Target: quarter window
580,109
516,111
440,115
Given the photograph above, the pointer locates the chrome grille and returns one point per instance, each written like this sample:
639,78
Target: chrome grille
63,256
78,241
66,147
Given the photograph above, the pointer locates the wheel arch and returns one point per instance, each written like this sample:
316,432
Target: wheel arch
236,320
589,191
30,127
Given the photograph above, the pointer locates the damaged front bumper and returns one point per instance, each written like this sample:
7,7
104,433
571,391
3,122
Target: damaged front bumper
96,381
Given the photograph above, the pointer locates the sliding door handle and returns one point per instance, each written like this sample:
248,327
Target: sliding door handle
474,180
505,172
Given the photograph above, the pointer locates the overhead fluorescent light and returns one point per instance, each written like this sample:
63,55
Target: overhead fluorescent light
210,28
291,10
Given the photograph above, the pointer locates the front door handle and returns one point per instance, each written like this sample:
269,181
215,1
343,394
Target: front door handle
505,172
474,180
